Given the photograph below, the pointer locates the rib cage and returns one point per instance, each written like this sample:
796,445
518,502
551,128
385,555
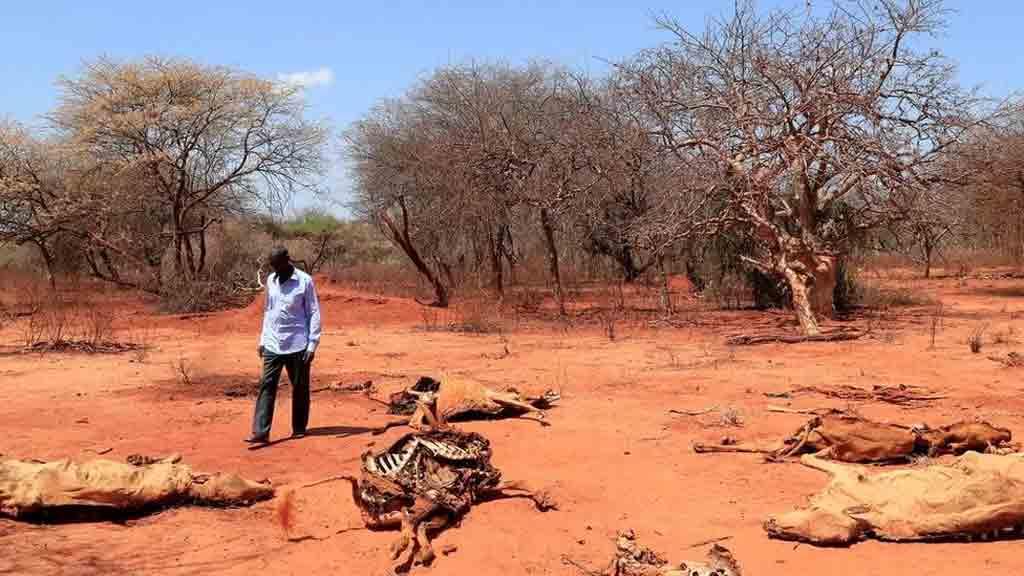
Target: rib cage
391,463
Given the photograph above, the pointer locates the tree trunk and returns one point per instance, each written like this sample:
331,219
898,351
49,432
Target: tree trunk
927,260
51,278
497,267
202,246
666,295
190,256
812,281
403,241
556,277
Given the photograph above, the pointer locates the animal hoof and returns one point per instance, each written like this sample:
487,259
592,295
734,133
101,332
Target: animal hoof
425,556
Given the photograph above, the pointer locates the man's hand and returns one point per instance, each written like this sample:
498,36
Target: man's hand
308,356
259,350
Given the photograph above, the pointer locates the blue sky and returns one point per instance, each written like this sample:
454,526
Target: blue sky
354,53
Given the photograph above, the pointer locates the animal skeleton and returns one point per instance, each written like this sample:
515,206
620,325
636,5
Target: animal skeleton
977,496
423,482
852,439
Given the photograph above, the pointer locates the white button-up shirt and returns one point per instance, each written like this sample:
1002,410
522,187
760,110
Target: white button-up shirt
291,315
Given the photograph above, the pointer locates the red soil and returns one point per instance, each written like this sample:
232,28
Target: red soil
614,457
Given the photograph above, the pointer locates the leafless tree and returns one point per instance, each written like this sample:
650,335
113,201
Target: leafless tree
993,162
32,193
197,142
809,127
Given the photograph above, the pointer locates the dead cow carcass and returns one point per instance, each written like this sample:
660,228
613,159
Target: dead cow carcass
434,402
103,488
977,496
849,438
425,481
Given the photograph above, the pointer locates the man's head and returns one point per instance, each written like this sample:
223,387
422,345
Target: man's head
279,260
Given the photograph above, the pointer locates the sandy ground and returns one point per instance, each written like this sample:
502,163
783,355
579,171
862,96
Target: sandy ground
613,457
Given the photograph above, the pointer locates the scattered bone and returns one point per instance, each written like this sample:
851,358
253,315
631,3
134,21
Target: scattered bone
423,483
143,460
633,559
693,412
977,496
848,438
104,488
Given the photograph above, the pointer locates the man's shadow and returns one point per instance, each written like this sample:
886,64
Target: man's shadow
336,431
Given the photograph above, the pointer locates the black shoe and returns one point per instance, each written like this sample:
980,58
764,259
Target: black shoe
257,440
297,435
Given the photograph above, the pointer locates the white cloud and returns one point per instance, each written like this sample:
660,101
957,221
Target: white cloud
322,76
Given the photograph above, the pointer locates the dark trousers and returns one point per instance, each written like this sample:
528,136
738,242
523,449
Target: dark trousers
298,374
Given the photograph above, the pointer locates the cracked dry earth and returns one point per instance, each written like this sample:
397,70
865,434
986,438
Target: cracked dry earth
613,456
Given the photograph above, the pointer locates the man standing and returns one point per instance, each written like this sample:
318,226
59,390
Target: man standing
291,333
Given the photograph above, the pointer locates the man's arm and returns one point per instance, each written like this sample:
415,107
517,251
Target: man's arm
312,320
266,319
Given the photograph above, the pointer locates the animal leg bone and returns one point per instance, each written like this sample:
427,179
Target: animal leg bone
701,448
509,400
404,539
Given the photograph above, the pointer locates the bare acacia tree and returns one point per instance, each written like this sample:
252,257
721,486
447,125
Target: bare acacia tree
402,185
994,165
195,142
33,206
808,127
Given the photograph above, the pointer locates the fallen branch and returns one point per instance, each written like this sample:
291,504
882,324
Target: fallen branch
754,339
901,394
711,541
693,412
804,411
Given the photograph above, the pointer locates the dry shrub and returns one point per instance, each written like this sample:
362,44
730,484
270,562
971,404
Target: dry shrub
731,417
609,319
477,315
381,278
52,320
528,298
430,319
729,291
870,295
197,296
183,371
975,340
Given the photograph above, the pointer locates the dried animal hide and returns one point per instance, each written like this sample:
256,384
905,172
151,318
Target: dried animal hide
852,439
633,559
424,482
99,488
977,496
455,397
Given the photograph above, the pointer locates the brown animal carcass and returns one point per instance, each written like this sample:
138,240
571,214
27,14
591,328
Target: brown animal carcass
104,488
977,496
849,438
